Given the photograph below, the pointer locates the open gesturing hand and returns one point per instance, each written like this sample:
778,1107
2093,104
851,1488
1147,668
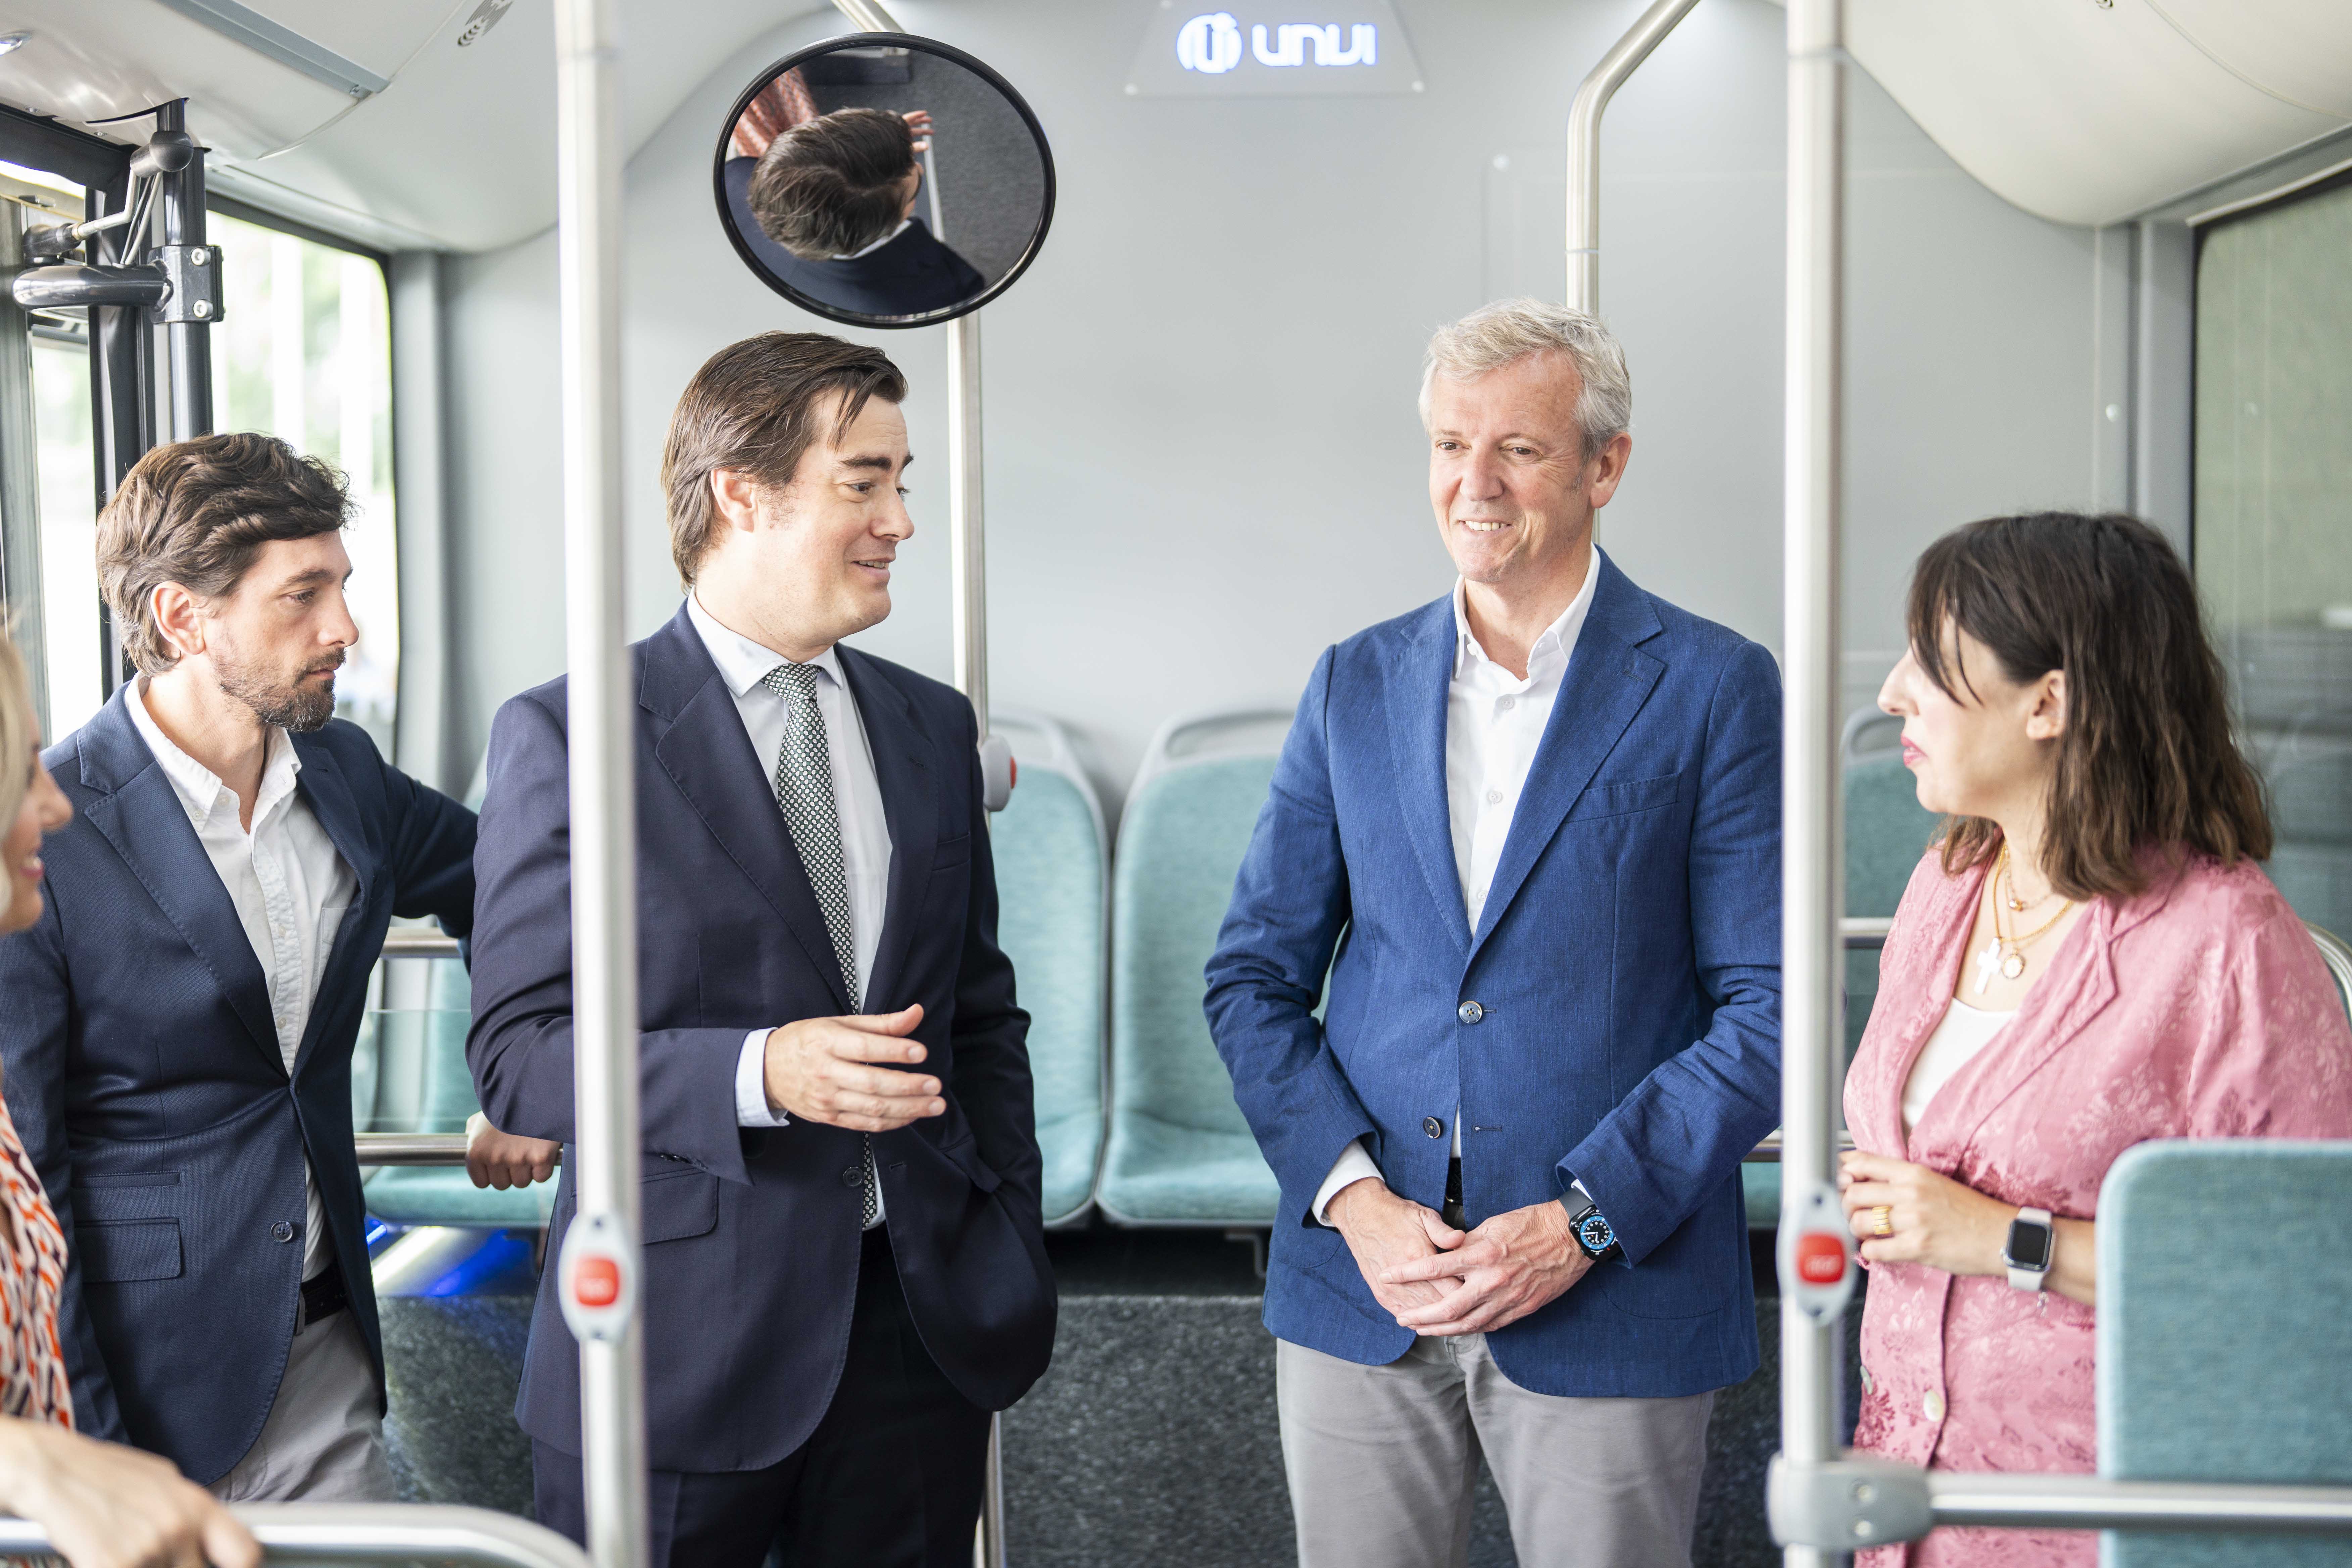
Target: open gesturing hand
831,1070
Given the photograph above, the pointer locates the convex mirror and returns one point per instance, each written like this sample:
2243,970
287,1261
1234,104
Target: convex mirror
884,180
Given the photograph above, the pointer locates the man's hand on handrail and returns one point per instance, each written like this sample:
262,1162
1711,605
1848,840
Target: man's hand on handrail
502,1160
107,1506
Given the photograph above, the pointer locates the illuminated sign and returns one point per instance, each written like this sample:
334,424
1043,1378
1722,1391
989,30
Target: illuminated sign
1282,49
1213,44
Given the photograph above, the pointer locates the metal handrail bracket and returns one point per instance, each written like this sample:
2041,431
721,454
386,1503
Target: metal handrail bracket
371,1533
1860,1500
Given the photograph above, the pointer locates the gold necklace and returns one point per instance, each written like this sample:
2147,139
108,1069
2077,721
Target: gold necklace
2005,953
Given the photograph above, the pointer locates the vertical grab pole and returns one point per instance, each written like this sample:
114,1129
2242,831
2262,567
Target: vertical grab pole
1813,861
1584,146
967,515
601,1261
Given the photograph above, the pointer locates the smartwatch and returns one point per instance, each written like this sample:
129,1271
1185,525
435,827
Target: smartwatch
2031,1241
1591,1230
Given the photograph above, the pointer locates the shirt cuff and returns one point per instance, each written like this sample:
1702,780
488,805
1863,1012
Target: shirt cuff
751,1085
1352,1165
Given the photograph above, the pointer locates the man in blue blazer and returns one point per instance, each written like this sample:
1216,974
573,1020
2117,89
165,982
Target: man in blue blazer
844,1266
1537,823
178,1027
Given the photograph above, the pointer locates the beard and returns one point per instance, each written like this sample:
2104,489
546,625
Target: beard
299,705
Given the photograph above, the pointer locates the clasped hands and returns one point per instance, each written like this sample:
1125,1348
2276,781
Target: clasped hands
1436,1279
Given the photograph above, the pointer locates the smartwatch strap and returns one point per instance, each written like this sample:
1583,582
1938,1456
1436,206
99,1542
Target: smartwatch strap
2035,1279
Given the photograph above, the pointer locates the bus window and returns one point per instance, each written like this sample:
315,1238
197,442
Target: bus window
2274,519
68,502
303,351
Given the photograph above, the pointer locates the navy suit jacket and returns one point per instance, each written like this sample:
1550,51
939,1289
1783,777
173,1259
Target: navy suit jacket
1626,969
913,273
144,1075
752,1236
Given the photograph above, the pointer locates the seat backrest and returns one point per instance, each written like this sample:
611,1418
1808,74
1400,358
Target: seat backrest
2338,959
1180,844
1052,885
1887,830
2224,1347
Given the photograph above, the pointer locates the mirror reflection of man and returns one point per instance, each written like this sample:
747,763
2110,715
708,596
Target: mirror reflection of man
829,208
844,1264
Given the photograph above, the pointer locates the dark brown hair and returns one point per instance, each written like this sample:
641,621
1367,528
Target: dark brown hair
751,407
835,184
196,513
2147,760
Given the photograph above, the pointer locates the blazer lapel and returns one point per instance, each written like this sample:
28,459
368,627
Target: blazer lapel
140,814
904,768
2078,988
322,787
1419,673
1608,679
1941,928
707,754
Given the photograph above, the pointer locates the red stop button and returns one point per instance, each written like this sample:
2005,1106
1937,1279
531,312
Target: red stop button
1821,1259
596,1282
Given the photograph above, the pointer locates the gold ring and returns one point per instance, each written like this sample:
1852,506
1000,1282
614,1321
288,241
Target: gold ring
1881,1220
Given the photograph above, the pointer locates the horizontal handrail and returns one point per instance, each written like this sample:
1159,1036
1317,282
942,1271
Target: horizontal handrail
415,941
449,1148
412,942
2096,1502
371,1533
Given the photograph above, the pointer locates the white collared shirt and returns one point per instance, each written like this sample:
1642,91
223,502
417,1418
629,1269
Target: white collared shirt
291,887
744,665
853,255
1494,723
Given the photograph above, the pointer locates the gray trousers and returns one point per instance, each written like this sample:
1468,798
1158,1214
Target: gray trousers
1383,1461
324,1439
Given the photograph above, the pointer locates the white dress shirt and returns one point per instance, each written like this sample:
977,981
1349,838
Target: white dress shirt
291,887
744,665
1494,723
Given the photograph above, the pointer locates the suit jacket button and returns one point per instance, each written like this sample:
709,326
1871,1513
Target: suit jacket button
1469,1012
854,1177
1933,1404
283,1231
1433,1126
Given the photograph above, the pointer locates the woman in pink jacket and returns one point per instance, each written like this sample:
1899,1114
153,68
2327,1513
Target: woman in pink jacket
2087,957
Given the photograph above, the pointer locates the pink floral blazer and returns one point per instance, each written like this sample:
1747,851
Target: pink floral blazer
2197,1009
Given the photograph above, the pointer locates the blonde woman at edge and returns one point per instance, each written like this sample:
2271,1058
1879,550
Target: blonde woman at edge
2088,958
104,1506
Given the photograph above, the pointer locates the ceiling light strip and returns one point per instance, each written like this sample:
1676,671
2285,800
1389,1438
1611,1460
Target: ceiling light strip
282,43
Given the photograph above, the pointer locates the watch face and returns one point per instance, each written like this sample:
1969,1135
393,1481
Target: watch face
2029,1245
1594,1233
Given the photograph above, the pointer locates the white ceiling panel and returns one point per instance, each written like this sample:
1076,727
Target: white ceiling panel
2087,113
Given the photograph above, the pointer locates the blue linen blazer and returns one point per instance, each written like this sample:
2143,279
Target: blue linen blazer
144,1076
752,1236
1627,968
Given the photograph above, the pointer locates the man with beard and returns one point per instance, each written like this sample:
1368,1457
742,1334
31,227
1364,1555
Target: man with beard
177,1029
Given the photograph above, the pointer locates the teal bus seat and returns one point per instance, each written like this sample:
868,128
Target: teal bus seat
1180,1152
1052,888
414,1068
1886,831
2233,1361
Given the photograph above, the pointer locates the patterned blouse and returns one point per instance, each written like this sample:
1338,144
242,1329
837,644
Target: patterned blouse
33,1381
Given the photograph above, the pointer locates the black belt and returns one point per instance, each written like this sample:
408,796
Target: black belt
324,1296
1452,1211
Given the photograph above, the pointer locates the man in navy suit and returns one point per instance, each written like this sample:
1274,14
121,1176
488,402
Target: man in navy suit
844,1266
1537,820
178,1027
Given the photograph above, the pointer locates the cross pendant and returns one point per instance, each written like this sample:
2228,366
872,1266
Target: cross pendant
1987,965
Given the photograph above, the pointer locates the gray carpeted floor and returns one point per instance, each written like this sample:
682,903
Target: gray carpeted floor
1151,1438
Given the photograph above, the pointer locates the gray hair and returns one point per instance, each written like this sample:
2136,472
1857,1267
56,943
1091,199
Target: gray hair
1508,331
